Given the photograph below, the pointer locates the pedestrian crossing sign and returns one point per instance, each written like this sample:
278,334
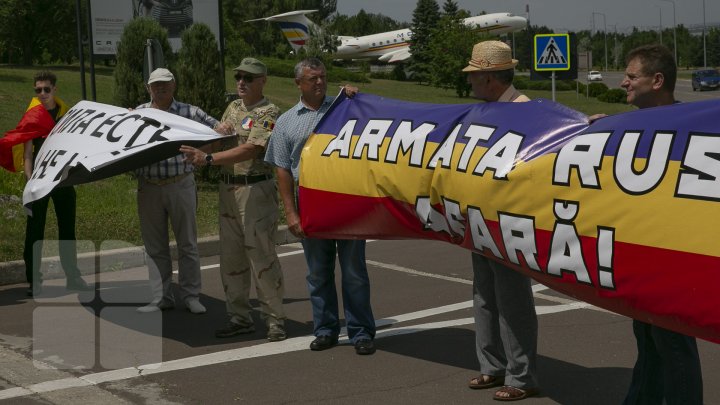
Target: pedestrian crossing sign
552,52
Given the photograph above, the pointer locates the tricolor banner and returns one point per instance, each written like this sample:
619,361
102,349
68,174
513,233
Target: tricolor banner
94,141
623,214
35,123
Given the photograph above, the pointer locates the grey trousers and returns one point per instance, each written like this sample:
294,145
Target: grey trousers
505,323
177,203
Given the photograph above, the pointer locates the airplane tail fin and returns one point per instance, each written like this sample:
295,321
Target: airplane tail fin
296,27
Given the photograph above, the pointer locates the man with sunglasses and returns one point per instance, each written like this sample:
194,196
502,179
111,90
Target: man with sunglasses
248,207
166,192
64,202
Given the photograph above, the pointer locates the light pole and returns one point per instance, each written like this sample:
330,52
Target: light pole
615,47
660,26
674,28
704,35
605,32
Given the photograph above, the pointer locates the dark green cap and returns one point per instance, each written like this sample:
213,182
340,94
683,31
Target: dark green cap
252,65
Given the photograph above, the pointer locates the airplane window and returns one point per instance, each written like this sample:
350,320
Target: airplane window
373,43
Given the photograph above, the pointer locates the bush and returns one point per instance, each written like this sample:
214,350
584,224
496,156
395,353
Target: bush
613,96
597,89
286,68
199,78
129,84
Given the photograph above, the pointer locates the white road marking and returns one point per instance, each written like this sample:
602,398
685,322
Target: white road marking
292,344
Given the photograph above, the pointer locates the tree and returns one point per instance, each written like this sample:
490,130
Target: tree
450,49
40,31
425,19
450,8
200,80
321,44
129,84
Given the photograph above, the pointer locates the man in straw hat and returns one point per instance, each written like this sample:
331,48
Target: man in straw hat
505,319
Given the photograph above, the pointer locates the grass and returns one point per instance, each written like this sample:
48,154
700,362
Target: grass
107,209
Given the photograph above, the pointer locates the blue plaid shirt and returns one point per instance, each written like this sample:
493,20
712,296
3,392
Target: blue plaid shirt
291,131
175,165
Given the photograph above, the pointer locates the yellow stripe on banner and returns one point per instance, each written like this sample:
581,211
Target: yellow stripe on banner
528,191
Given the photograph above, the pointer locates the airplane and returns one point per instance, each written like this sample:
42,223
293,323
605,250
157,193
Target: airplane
390,47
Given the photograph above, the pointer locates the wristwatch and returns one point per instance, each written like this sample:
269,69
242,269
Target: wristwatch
209,159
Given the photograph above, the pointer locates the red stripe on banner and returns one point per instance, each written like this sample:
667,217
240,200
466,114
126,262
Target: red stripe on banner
672,289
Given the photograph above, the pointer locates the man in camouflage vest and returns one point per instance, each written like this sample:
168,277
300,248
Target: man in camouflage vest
248,207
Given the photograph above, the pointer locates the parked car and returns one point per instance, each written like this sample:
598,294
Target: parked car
594,76
705,79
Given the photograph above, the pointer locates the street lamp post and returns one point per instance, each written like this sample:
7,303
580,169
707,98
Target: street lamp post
660,26
704,35
674,28
605,32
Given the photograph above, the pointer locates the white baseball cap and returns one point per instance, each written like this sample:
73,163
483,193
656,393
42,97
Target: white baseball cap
160,75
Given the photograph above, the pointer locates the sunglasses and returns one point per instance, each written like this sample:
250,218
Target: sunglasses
39,90
247,78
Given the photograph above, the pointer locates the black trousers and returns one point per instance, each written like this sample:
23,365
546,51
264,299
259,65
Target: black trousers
64,201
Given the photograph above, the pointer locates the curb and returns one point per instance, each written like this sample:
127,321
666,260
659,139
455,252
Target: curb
117,259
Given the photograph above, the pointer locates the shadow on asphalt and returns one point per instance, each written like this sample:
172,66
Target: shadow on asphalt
562,382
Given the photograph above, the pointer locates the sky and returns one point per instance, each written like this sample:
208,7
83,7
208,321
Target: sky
564,15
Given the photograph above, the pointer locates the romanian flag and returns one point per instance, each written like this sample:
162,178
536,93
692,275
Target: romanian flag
35,123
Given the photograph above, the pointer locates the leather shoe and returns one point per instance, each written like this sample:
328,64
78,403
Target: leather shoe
364,347
323,342
77,284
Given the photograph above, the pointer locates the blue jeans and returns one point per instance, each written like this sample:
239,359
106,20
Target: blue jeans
667,367
320,256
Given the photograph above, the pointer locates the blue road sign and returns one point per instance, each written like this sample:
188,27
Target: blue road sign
552,52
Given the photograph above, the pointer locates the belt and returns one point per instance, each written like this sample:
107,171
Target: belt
167,180
240,179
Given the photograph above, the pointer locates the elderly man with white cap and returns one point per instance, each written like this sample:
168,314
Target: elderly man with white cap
166,191
505,318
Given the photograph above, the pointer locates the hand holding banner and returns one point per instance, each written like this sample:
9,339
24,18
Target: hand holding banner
94,141
621,213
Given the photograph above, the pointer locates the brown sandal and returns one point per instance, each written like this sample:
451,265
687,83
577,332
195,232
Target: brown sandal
514,393
479,383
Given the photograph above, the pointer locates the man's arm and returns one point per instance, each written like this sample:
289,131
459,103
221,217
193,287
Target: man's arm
28,159
239,153
286,186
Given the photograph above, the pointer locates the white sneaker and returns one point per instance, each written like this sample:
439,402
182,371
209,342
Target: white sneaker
157,305
193,305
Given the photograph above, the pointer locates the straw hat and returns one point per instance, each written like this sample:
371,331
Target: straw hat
490,56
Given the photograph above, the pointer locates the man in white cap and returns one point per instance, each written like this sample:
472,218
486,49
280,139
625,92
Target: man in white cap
248,207
166,191
505,318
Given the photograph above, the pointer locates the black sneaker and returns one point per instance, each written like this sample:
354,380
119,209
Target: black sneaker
231,329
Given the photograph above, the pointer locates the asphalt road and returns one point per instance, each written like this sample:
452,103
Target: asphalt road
105,352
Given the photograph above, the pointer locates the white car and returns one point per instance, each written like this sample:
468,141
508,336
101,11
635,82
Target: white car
594,76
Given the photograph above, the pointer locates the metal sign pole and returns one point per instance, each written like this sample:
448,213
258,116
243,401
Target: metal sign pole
553,85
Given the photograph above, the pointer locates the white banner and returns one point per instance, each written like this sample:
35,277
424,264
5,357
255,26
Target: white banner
94,141
110,17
